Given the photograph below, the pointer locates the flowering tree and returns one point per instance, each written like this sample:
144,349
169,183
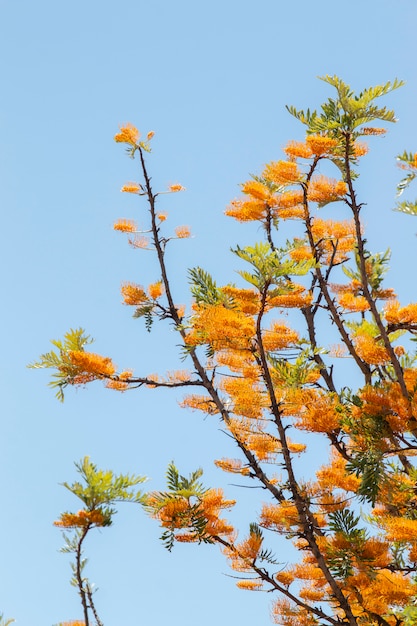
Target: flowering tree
354,521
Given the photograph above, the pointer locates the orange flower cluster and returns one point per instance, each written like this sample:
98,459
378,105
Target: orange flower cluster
155,290
244,554
200,403
133,294
247,299
283,517
321,145
322,189
122,384
250,584
282,173
176,187
298,150
388,401
125,226
259,191
278,337
394,314
247,210
82,519
298,297
128,134
288,614
178,514
131,188
221,328
234,466
92,363
139,242
353,303
248,397
370,350
319,413
182,232
333,239
212,502
335,476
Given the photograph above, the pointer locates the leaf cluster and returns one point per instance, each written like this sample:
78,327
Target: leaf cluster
346,113
102,488
66,371
271,267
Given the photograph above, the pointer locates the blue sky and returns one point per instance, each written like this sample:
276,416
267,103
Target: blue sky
212,79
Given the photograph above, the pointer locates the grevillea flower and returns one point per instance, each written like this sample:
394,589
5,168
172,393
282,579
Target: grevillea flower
82,519
132,188
367,130
128,134
139,242
282,172
247,210
182,232
125,226
298,149
176,187
234,466
251,585
353,303
133,294
155,290
320,144
323,189
121,384
257,190
92,363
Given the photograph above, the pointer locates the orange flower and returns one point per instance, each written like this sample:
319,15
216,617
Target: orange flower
176,187
92,363
251,585
162,216
367,130
320,144
139,242
290,199
182,232
247,211
155,290
120,384
150,135
126,226
133,294
128,134
370,350
81,519
323,189
279,337
257,190
360,149
282,172
131,188
200,403
353,303
222,328
295,149
234,466
401,315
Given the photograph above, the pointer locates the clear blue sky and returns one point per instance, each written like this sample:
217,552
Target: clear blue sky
212,79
